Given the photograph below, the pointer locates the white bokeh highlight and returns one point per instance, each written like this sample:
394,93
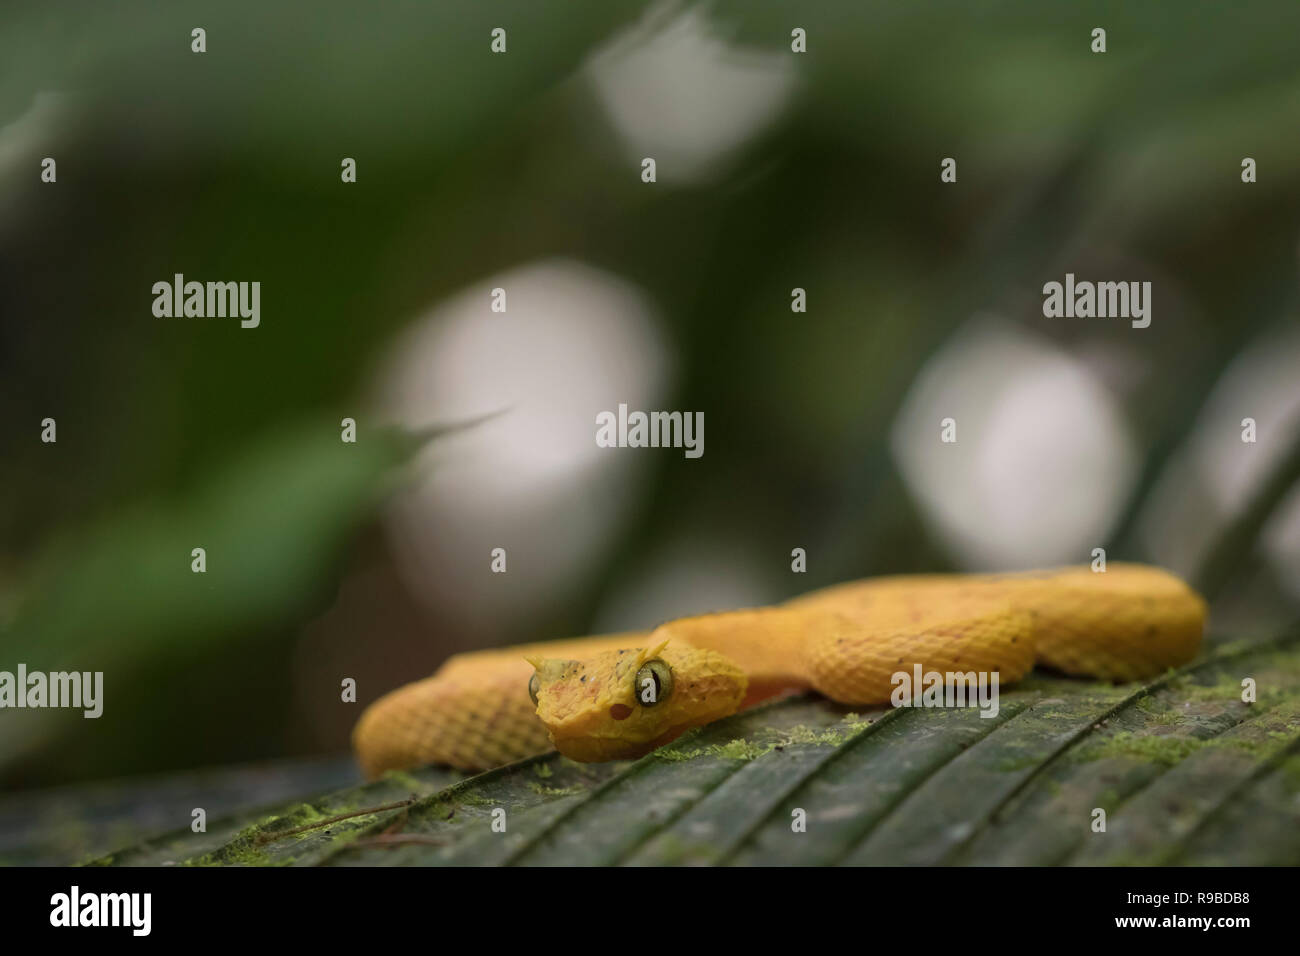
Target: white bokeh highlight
673,88
574,341
1043,459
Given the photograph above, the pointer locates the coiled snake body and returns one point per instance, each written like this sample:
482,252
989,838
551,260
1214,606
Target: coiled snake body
620,696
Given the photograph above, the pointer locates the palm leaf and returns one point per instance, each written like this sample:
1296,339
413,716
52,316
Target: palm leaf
1184,769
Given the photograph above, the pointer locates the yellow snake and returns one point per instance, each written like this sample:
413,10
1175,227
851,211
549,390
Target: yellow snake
620,696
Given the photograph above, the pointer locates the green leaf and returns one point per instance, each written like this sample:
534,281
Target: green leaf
1185,771
273,524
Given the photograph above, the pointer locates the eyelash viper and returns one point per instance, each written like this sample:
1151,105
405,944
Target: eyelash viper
619,696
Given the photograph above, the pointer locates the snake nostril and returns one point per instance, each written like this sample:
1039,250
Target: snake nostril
620,712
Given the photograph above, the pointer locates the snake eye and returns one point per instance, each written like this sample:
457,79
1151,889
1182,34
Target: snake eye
654,682
534,685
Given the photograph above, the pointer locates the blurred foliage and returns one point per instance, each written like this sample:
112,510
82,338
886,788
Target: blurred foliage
227,165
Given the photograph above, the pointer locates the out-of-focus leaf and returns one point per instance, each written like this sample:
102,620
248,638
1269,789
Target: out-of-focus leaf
404,76
271,524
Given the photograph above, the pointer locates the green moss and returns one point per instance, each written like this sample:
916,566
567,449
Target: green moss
405,780
672,850
739,749
1226,690
555,791
1170,749
742,749
543,770
1266,746
830,737
1165,749
259,845
242,851
1276,678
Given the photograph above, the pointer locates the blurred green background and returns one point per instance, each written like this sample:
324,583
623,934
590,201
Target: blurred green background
522,171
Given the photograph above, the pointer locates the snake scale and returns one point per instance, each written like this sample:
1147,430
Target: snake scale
619,696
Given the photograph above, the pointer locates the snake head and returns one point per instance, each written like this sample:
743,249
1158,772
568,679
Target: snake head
622,704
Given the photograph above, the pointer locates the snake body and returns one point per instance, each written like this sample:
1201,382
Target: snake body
621,695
